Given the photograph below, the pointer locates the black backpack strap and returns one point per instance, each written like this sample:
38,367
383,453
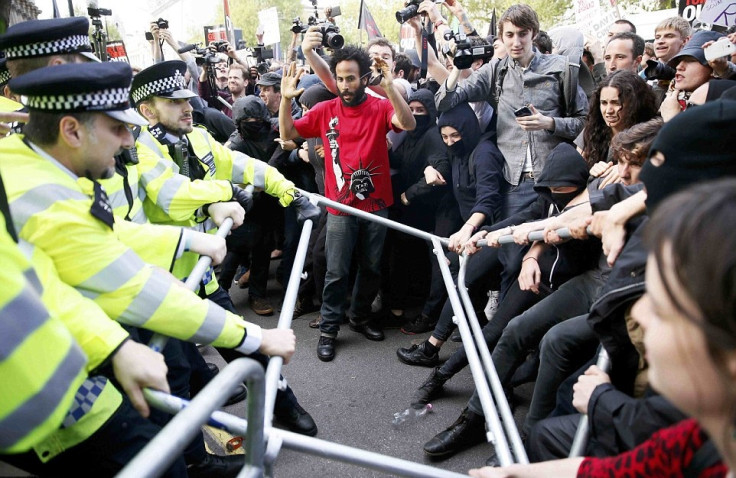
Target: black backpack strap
706,457
5,210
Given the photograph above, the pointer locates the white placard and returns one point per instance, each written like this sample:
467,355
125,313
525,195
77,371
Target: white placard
268,20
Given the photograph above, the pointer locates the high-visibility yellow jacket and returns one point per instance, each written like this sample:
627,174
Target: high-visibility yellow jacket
9,106
50,211
44,369
126,197
171,198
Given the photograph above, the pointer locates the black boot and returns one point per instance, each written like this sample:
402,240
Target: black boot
214,465
468,430
431,388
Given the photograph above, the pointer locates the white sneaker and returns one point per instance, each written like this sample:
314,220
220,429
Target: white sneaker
492,305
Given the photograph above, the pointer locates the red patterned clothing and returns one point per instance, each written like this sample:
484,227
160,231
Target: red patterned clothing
356,156
666,454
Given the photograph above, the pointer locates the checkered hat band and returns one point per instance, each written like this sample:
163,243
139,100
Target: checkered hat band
103,100
70,44
162,85
4,77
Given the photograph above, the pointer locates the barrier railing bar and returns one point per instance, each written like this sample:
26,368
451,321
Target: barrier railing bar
321,200
512,432
581,434
273,371
156,457
496,434
305,444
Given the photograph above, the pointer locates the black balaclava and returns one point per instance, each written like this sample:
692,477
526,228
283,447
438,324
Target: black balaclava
697,146
462,118
564,167
424,122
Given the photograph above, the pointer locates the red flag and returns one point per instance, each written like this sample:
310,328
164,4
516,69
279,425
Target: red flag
367,23
229,30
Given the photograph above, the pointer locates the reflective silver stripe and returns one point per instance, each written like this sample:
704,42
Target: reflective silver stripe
212,326
146,139
148,300
34,281
239,162
115,274
139,217
142,194
168,191
118,199
38,408
154,172
259,174
39,199
20,318
85,397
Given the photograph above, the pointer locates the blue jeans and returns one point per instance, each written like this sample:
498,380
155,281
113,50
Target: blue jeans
346,234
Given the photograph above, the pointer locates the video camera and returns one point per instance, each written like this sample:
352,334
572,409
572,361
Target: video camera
465,52
657,70
202,56
99,12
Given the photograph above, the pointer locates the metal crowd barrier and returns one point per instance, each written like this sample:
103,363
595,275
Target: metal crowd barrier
156,457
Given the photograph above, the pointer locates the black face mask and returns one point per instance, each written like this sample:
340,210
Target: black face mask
457,148
253,129
423,123
562,199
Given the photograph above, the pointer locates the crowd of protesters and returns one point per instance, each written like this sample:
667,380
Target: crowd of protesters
533,135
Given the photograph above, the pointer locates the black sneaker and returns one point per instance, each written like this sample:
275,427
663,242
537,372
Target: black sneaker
420,325
418,355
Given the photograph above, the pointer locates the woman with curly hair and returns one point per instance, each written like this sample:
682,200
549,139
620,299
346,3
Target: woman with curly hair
623,100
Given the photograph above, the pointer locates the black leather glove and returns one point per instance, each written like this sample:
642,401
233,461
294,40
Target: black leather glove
244,197
304,209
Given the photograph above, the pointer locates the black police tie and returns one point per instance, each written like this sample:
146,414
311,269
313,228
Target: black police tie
101,207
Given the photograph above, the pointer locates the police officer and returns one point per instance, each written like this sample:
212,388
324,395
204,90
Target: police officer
78,121
175,159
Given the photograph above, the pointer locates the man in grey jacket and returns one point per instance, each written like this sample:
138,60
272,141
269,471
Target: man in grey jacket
525,78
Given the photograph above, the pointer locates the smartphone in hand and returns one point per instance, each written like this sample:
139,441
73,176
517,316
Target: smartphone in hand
523,111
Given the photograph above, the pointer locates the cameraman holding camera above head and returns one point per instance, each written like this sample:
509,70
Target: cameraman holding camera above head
214,78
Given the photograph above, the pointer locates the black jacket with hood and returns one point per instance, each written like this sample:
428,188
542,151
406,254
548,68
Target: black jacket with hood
477,168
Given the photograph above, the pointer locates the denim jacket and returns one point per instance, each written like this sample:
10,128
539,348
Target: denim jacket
540,85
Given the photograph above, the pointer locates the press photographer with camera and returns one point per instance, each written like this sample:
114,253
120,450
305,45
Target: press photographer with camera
215,75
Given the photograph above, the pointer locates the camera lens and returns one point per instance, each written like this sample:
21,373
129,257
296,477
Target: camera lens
406,13
334,40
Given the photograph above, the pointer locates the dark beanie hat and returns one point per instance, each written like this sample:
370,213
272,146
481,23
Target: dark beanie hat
315,94
697,145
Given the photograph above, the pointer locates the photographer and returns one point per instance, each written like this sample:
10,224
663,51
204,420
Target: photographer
214,78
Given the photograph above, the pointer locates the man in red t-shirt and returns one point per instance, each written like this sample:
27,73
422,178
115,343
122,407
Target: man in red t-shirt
353,128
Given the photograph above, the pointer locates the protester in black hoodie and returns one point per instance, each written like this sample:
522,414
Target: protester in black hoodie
254,136
418,204
476,177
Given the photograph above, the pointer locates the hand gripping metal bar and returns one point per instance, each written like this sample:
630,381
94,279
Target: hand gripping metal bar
581,434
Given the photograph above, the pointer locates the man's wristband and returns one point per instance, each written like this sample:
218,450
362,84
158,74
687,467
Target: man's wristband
439,22
475,228
530,257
